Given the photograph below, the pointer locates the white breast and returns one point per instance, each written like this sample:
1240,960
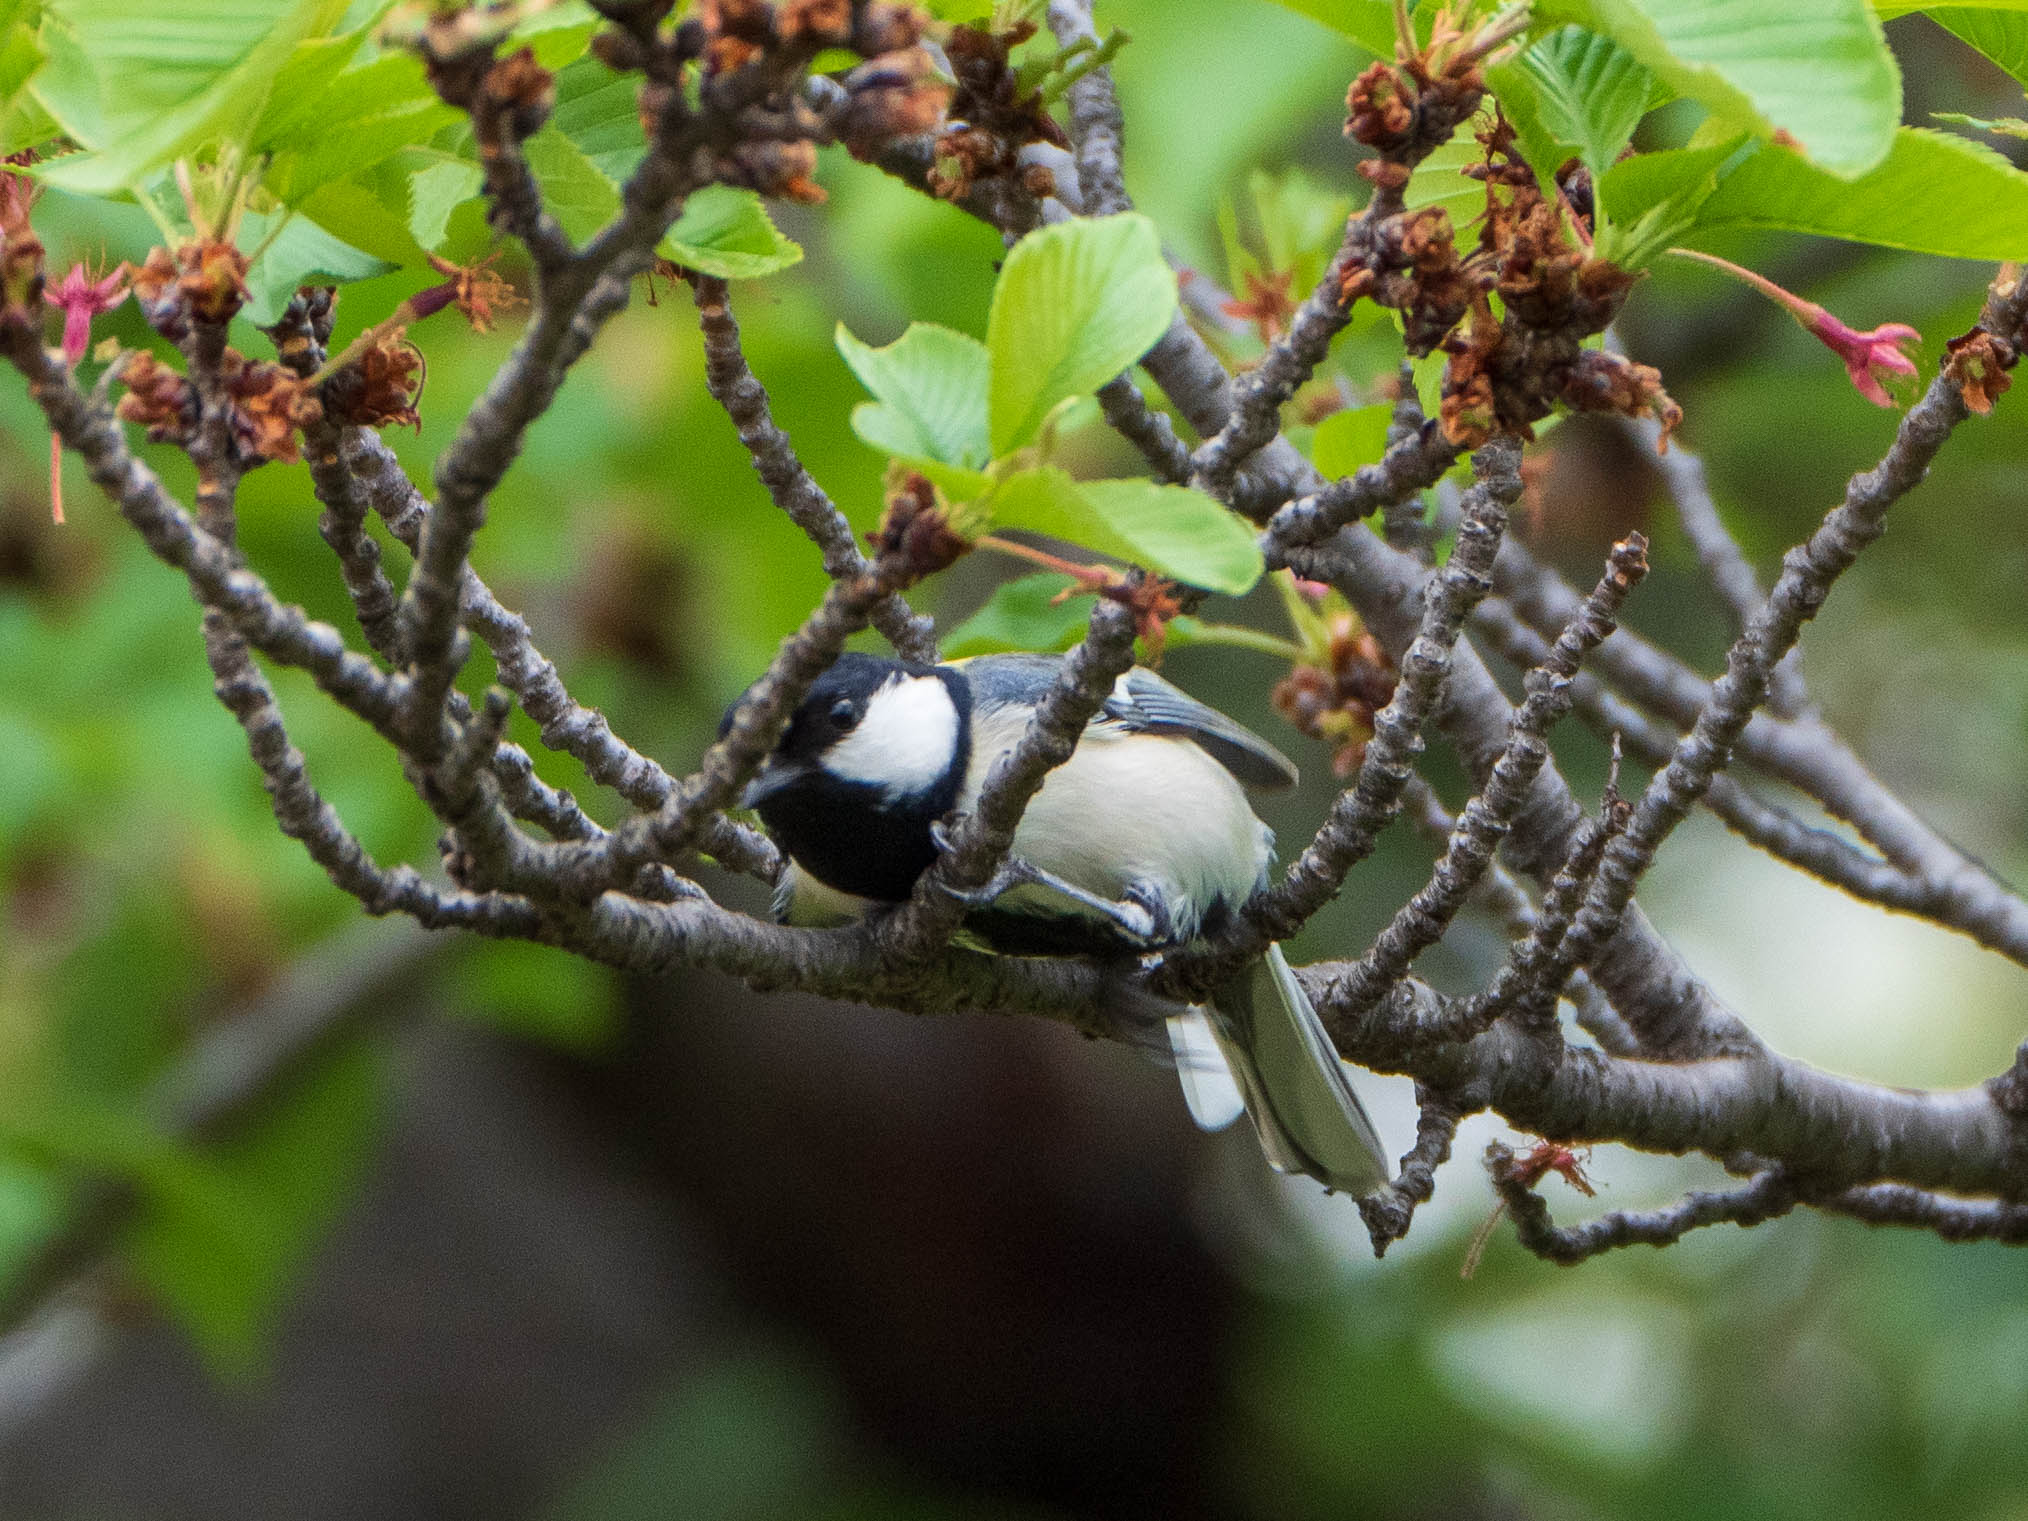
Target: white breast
1133,807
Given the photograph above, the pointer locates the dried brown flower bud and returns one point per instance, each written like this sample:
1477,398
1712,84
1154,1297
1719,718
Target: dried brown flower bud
521,89
824,23
205,280
621,51
915,535
214,280
1337,705
380,387
1601,382
1977,363
1037,180
159,399
475,289
18,193
884,27
1380,109
1383,173
269,404
774,168
894,95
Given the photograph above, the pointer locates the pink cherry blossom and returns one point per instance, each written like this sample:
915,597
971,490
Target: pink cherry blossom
83,298
1869,357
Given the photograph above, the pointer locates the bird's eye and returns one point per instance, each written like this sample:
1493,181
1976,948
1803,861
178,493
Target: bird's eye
843,714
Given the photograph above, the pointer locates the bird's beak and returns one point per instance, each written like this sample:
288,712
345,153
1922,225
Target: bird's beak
774,777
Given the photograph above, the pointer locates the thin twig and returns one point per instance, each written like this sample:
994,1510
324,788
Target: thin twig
1768,1195
1363,809
734,386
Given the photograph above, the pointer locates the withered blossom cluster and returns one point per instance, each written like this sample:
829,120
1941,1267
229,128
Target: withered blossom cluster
1335,700
992,117
1504,371
752,59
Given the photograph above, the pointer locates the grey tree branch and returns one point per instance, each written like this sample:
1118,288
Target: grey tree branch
1808,572
1486,819
1364,808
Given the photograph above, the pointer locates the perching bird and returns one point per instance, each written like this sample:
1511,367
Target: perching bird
1141,841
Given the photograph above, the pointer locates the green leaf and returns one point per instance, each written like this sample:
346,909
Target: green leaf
598,111
1655,198
1370,23
435,191
21,55
1075,305
931,383
1441,181
373,210
1346,440
161,78
295,103
1021,615
1887,10
1574,92
24,124
362,119
301,254
1818,70
1299,221
1171,530
2001,35
574,191
1999,126
727,232
1936,193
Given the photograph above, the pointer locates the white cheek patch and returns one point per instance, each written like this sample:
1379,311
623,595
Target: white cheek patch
904,742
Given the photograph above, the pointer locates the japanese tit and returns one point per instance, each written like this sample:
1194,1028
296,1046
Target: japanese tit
1142,840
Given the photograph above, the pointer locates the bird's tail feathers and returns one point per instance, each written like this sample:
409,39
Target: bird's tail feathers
1297,1091
1209,1087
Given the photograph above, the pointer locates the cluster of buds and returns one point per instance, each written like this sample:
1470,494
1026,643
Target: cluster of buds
378,382
159,399
916,534
21,252
1335,695
203,280
993,116
458,46
1505,373
752,56
1414,269
1407,109
268,404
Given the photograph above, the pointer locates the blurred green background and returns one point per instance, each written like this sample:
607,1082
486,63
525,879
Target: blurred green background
538,1240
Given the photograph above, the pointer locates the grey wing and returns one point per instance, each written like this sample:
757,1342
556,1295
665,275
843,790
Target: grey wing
1143,700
